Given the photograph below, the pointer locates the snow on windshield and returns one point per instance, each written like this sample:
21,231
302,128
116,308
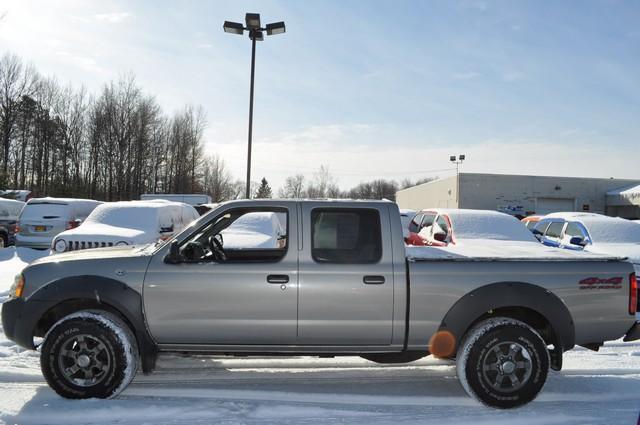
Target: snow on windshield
40,210
476,224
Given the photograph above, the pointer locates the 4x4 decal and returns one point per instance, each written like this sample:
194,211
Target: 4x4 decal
601,283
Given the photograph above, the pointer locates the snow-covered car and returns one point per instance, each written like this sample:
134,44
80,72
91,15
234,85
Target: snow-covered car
42,219
9,213
256,230
443,226
127,223
531,221
591,232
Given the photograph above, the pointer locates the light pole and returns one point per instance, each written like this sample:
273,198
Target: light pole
256,33
459,160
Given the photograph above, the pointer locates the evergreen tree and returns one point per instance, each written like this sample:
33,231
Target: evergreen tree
264,191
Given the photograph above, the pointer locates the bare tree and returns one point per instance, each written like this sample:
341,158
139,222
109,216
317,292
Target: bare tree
16,81
216,179
293,187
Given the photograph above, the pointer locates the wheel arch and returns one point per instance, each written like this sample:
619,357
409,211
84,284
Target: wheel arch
69,295
536,306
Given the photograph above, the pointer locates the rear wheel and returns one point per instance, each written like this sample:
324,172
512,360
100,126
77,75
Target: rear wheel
89,355
503,363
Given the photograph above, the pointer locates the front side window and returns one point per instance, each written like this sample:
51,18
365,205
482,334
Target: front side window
414,225
240,235
346,236
554,230
427,221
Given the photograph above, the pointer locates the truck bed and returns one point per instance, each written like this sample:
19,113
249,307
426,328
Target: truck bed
486,250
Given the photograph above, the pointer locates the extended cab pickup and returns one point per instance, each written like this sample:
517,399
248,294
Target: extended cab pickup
337,283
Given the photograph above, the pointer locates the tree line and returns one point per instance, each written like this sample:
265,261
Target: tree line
59,140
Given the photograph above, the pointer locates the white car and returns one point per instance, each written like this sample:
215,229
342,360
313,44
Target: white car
256,230
42,219
127,223
592,233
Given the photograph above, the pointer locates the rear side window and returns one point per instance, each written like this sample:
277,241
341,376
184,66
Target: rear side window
573,230
443,224
346,236
428,220
554,230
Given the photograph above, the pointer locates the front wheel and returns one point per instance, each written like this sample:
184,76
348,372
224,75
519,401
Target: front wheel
503,363
89,355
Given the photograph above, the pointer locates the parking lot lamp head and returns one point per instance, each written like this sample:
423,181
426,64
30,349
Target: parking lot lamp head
252,20
275,28
233,27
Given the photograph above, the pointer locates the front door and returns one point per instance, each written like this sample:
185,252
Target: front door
346,276
238,289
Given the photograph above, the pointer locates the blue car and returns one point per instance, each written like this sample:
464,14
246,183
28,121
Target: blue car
561,233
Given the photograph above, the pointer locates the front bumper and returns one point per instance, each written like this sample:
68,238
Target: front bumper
19,320
633,334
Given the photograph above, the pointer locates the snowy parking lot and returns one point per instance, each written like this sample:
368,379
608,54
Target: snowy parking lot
593,388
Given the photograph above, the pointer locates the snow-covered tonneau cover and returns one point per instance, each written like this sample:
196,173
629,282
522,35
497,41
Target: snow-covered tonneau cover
501,251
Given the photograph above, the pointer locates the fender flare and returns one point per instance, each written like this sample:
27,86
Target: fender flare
482,300
97,291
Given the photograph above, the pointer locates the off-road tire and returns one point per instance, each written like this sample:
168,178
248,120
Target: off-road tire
100,338
503,363
4,240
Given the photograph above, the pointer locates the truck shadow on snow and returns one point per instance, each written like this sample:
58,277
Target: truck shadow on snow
305,390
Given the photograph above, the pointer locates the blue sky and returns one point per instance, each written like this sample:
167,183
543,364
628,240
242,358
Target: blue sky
370,88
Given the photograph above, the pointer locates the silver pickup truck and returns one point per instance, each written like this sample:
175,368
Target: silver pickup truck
336,282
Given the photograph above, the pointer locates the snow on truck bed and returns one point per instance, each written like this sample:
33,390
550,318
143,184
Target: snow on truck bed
487,250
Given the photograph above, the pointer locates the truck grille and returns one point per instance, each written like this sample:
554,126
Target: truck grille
76,245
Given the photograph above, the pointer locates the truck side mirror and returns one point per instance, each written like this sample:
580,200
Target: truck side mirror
440,236
578,240
174,256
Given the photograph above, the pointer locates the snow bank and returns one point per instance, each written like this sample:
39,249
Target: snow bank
12,261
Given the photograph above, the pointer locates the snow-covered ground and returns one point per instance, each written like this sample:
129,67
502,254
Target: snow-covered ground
593,388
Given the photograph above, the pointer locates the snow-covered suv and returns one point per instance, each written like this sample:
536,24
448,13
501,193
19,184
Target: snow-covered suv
127,223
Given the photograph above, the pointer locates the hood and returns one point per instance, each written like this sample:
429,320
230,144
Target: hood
628,250
96,232
126,251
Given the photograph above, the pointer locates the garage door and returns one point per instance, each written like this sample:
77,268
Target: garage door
549,205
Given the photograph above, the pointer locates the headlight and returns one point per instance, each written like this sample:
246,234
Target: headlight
18,286
60,245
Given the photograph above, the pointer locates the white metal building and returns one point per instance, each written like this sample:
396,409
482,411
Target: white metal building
526,195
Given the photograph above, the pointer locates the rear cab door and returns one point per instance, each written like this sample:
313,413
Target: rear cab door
348,273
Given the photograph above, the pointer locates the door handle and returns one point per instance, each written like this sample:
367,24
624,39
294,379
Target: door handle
278,278
373,280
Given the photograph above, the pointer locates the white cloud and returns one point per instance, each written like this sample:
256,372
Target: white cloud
111,17
465,75
513,76
351,156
